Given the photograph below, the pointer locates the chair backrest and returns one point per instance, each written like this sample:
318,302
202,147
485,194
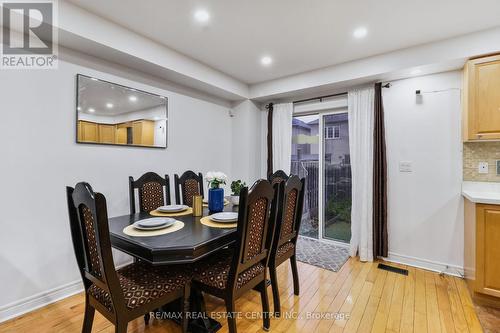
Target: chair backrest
186,186
153,190
278,177
91,242
256,226
290,209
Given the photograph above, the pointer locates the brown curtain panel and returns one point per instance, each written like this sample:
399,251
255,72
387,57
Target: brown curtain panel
379,179
269,139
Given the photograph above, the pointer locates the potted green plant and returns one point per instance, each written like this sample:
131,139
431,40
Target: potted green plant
236,187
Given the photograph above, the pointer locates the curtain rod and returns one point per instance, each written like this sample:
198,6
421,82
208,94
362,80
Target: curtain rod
270,105
320,98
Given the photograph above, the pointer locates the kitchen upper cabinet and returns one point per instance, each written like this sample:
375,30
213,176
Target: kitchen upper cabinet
143,132
482,99
87,131
107,133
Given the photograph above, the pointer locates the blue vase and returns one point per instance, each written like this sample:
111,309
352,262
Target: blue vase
216,200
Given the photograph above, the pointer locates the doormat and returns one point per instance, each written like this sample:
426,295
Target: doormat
321,254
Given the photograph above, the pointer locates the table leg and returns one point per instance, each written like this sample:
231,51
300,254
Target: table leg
203,323
200,322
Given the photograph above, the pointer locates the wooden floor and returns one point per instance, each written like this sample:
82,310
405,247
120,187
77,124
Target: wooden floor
365,298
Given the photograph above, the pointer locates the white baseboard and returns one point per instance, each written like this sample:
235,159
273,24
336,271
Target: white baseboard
42,299
430,265
39,300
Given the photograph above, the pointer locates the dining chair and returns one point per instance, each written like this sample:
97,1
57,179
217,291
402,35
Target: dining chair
278,177
284,247
119,295
231,272
151,193
188,185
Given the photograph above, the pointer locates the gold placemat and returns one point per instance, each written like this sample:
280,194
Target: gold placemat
209,223
226,202
188,211
131,231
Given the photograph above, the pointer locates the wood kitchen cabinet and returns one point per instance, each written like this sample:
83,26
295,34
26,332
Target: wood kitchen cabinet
481,99
143,132
482,251
88,131
107,133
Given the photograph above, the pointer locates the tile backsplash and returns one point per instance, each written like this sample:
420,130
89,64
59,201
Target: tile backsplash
475,152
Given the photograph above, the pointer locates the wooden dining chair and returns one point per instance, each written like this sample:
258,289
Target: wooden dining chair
278,177
288,219
154,192
119,295
187,186
233,271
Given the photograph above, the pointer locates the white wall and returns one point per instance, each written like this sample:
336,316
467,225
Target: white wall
247,135
39,157
425,206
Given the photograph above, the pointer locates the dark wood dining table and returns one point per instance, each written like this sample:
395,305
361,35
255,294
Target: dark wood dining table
185,246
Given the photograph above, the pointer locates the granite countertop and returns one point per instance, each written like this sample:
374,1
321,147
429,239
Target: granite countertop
482,192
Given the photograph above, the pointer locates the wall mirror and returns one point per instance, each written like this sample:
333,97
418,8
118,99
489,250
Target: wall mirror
112,114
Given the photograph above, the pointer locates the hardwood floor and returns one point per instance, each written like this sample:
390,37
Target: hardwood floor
365,299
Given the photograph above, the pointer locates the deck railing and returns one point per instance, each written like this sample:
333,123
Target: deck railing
337,185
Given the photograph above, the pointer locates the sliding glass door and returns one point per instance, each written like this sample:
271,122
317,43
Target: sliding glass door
305,157
336,176
320,153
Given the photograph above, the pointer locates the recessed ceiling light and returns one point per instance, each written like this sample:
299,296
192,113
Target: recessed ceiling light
266,60
416,71
79,108
202,16
109,105
132,98
91,110
360,32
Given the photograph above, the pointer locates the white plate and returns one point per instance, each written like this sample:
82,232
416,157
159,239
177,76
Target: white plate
225,217
155,222
172,208
163,226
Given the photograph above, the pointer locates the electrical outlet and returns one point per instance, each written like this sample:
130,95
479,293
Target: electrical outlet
482,167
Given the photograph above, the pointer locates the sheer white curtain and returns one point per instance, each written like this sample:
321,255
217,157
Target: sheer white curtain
282,136
361,117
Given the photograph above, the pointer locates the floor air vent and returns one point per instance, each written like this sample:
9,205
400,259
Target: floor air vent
393,269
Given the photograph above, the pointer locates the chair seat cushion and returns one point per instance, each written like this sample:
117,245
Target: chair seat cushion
142,283
284,249
214,271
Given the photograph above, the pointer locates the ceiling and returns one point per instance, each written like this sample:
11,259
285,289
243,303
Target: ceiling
299,35
96,94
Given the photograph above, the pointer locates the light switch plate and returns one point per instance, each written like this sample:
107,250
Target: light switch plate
498,167
482,167
405,166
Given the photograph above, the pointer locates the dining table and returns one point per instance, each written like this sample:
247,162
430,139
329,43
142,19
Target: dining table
193,242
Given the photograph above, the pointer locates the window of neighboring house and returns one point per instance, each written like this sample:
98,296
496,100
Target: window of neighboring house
332,132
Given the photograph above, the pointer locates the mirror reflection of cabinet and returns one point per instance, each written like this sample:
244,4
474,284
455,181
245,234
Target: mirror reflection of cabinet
121,134
107,133
87,131
143,132
139,132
